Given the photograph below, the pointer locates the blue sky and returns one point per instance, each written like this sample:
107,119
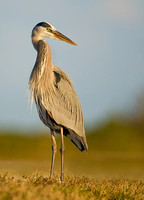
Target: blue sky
107,67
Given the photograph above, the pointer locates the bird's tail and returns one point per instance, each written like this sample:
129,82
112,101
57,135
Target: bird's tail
79,142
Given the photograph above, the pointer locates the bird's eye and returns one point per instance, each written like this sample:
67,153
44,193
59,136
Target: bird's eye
49,30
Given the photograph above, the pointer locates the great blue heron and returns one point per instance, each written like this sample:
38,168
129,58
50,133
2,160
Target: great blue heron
57,103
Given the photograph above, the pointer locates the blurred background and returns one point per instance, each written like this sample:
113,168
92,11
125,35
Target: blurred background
107,69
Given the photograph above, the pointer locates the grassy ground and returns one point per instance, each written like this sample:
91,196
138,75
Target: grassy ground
40,187
112,169
115,151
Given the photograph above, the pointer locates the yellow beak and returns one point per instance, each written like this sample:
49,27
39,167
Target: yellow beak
60,36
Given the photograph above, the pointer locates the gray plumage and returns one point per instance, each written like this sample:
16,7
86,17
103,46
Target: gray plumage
55,97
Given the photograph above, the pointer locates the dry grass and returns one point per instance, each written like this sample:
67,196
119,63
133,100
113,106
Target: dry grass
112,169
39,187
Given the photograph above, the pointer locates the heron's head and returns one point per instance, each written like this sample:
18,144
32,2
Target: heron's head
45,29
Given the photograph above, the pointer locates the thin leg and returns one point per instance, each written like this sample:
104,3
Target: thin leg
62,155
54,148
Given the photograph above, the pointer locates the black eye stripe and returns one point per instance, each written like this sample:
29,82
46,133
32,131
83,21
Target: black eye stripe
43,24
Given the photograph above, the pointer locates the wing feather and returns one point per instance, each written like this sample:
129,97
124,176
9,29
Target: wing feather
63,103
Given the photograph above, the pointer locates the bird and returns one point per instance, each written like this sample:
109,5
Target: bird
56,100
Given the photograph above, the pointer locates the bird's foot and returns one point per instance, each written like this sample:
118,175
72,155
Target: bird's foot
61,177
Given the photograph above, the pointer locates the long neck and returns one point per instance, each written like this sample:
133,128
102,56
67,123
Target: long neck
42,49
42,72
44,57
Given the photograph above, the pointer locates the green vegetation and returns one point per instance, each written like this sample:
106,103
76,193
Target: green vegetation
115,150
112,168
